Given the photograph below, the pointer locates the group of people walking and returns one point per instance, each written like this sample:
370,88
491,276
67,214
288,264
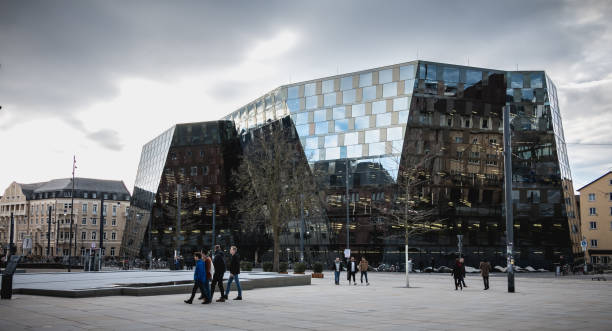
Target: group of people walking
202,275
459,273
351,270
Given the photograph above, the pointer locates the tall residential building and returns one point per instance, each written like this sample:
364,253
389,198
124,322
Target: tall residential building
360,131
596,217
42,213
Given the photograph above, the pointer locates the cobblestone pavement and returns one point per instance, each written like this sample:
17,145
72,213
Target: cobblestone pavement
433,304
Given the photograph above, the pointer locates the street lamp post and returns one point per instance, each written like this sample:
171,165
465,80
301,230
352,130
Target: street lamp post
49,232
508,199
71,217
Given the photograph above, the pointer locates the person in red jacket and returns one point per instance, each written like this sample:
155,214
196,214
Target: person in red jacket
208,268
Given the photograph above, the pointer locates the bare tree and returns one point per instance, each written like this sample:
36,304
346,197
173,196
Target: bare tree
272,180
411,208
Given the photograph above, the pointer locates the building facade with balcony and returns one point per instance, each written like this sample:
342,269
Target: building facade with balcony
596,219
42,212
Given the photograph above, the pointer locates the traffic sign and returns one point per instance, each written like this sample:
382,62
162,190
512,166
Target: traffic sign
583,244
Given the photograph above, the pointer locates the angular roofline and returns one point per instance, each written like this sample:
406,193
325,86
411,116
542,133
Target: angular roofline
372,69
600,177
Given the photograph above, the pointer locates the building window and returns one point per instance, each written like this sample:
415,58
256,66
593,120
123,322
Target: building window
610,195
83,235
113,236
114,222
485,124
104,236
94,209
93,221
593,211
93,235
82,251
94,195
84,208
104,210
194,171
593,225
114,210
205,170
591,196
593,242
112,251
85,195
84,221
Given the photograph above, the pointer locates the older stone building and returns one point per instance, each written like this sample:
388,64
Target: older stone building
42,211
596,217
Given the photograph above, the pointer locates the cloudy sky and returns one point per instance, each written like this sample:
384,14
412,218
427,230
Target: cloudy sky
101,78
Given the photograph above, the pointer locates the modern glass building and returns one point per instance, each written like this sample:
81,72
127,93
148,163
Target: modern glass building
360,131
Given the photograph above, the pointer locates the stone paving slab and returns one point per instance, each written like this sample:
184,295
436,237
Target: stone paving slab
538,304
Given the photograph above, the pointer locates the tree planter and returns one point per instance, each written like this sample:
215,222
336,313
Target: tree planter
298,273
317,275
283,272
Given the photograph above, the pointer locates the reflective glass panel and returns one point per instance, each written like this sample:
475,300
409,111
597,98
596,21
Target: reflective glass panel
311,102
339,113
320,115
293,105
394,133
302,130
376,149
473,76
403,116
321,128
390,90
372,136
328,86
365,79
354,151
362,122
293,92
400,104
312,143
341,125
329,99
351,138
427,71
379,107
451,74
527,94
301,118
385,76
383,119
310,89
348,96
358,110
332,153
537,80
331,141
369,93
517,80
409,86
312,155
407,72
397,146
346,83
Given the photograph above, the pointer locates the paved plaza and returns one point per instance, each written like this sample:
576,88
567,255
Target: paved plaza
545,303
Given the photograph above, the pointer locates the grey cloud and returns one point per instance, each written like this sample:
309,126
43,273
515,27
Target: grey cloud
106,138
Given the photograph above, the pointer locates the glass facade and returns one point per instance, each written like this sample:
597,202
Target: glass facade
359,130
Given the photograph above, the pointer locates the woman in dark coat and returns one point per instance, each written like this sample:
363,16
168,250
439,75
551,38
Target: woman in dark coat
458,274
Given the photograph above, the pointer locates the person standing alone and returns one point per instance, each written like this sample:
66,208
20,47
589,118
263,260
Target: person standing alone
219,264
351,270
485,268
234,272
363,268
457,274
199,277
337,270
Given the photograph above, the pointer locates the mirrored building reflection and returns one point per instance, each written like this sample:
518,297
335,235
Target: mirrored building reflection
360,131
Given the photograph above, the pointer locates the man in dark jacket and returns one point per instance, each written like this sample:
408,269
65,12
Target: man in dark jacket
199,277
219,264
234,272
485,268
351,270
457,274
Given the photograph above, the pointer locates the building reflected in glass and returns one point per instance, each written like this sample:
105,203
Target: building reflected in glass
359,131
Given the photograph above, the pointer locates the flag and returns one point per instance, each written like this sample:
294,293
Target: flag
73,164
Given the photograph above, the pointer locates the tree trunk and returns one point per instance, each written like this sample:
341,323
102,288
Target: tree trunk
407,270
276,249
